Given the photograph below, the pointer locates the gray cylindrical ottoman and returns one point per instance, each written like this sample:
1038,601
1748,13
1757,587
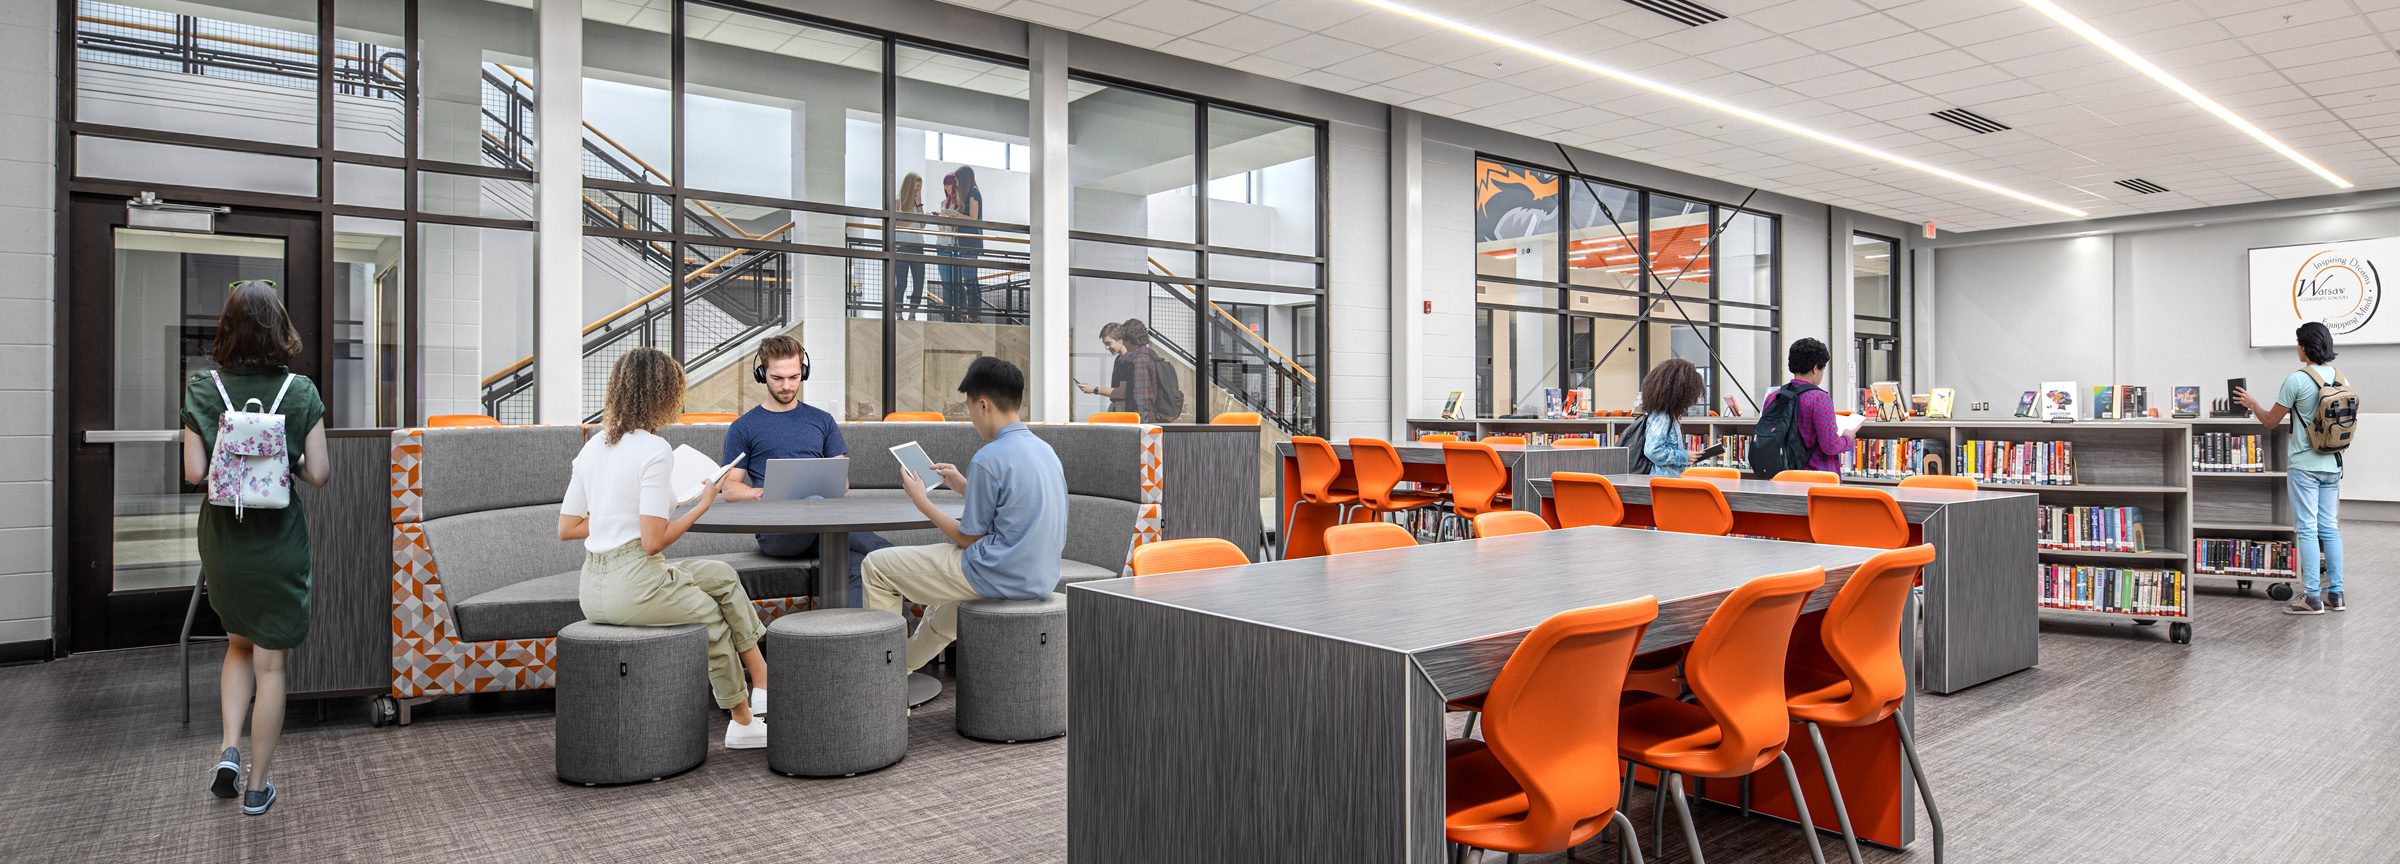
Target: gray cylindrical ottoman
633,702
1012,669
837,697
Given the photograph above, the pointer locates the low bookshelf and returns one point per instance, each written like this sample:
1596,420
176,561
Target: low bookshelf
2241,505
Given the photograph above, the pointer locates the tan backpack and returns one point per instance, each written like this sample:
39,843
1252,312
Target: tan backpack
2337,414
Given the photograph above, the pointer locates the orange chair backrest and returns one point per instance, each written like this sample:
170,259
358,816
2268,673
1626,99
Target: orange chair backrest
458,421
1518,440
1736,663
1476,476
1377,464
1114,417
1862,629
690,417
1576,442
1501,523
1689,506
1438,437
1712,472
1938,481
1367,537
1855,516
1799,476
913,417
1319,467
1551,716
1176,556
1585,500
1235,418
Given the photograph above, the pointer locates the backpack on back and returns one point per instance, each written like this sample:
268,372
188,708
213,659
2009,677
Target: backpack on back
1170,390
251,467
1636,441
2337,414
1776,446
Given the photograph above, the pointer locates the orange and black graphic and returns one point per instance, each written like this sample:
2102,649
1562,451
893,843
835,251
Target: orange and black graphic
1513,202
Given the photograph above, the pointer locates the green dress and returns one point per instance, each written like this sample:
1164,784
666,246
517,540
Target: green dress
257,566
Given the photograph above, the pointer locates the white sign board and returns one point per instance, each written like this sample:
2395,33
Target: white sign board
2336,283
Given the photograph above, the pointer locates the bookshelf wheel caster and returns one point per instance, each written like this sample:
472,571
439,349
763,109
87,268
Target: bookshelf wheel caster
2279,591
2242,586
2143,622
2180,632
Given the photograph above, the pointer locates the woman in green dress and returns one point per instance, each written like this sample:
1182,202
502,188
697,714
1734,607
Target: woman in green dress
256,561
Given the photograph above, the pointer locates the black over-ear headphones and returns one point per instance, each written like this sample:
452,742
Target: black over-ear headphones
759,372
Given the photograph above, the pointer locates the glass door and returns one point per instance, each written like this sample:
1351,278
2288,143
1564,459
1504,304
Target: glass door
142,319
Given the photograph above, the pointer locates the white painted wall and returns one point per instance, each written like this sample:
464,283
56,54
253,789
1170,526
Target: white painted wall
28,170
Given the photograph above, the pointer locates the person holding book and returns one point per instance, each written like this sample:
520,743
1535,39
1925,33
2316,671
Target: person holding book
2315,477
1671,388
1818,427
783,427
620,502
1005,545
256,561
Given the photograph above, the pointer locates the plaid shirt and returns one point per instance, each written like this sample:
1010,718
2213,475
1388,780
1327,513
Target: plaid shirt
1141,383
1824,438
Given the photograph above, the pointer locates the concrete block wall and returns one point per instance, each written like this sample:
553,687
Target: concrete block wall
1359,273
28,174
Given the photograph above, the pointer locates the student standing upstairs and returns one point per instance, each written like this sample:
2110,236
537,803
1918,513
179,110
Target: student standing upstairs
2316,470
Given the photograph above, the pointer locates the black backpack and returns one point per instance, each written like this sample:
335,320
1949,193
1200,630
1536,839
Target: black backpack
1170,390
1776,446
1636,441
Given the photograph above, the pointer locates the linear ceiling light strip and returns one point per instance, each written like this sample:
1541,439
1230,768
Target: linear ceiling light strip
2093,35
1718,105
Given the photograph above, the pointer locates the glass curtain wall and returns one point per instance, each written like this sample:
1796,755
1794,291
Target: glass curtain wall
1875,309
1647,276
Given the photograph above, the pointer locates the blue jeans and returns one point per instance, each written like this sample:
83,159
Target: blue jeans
2317,521
805,545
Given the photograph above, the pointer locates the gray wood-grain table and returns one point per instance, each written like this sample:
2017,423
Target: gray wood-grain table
1293,710
1981,616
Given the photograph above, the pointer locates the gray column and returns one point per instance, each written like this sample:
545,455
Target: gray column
1407,203
1046,60
1841,330
558,172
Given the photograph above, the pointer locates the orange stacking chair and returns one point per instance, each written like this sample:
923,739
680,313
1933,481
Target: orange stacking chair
1576,442
1518,440
1437,437
1176,556
1478,480
1712,472
1584,500
1938,481
1798,476
1739,722
1866,678
691,417
1689,506
1235,418
1544,777
1501,523
1377,465
1367,537
1113,417
1854,516
1319,466
913,417
458,421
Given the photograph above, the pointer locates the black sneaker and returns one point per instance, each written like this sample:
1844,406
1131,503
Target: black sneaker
227,773
2335,602
256,801
2305,604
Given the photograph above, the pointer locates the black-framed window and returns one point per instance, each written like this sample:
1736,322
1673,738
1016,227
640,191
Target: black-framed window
1203,222
1876,298
1583,283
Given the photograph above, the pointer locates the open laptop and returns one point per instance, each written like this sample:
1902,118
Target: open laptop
794,479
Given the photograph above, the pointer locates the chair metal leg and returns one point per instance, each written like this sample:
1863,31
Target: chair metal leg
1691,833
1471,717
1833,789
1290,513
1626,843
183,650
1791,778
1908,750
1658,814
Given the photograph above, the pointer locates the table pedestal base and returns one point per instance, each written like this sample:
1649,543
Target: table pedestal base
922,688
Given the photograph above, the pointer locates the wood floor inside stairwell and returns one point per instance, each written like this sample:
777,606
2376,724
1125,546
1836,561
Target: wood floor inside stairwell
2258,742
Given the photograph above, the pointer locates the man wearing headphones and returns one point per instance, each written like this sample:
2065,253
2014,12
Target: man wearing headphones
783,427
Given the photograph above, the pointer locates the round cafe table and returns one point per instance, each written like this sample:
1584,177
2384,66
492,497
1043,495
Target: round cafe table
833,520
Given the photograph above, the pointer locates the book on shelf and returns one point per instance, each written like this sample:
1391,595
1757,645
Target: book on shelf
2104,402
2089,529
2025,404
2031,463
2057,400
1450,406
1890,404
1888,458
1575,401
2133,401
1554,403
1938,402
2187,402
2229,453
2115,589
1732,407
2230,556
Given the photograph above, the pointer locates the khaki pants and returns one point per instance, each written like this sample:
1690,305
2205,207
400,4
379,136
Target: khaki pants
625,587
930,575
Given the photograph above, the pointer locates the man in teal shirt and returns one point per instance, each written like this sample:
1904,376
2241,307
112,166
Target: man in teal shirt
2315,478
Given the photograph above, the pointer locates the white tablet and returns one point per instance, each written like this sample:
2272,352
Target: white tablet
913,458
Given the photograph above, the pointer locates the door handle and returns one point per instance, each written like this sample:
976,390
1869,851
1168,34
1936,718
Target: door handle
132,436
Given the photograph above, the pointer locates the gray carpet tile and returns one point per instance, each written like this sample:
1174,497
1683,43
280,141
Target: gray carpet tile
2255,743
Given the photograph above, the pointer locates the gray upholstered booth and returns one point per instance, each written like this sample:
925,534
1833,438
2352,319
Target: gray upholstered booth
633,702
837,695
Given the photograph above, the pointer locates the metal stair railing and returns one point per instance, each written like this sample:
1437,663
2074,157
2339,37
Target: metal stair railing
1288,397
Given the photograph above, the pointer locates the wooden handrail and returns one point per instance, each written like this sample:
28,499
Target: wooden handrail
1238,325
644,300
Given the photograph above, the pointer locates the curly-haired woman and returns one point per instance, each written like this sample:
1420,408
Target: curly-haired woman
1671,388
619,502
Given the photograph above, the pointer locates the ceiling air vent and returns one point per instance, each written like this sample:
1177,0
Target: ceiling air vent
1970,121
2145,187
1684,12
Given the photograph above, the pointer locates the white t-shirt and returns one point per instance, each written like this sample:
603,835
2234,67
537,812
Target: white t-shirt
618,484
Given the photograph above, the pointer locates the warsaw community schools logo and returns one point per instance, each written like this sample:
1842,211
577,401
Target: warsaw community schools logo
2339,289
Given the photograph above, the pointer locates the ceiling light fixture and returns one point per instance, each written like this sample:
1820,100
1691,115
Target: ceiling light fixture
1714,104
2093,35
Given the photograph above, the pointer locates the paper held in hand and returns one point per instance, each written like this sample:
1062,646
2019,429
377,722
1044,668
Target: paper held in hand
693,470
1849,424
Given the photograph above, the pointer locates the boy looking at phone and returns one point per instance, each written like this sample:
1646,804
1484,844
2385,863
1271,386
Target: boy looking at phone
1005,545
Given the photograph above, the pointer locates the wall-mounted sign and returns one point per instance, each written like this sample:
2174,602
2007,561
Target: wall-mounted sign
2339,284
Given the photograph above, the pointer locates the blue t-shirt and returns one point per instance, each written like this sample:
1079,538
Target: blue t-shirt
1017,502
2299,393
805,432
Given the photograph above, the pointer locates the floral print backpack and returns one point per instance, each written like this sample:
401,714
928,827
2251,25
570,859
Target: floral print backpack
251,466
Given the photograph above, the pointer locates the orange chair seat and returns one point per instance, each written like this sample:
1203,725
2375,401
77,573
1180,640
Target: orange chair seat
1670,733
1414,500
1659,672
1484,804
1466,703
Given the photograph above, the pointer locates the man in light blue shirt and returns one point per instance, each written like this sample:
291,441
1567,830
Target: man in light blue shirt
2315,478
1005,545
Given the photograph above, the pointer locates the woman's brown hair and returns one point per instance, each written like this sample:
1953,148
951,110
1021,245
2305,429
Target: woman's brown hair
645,391
1671,387
255,330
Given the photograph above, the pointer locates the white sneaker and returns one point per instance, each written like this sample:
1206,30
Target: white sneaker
750,737
758,701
